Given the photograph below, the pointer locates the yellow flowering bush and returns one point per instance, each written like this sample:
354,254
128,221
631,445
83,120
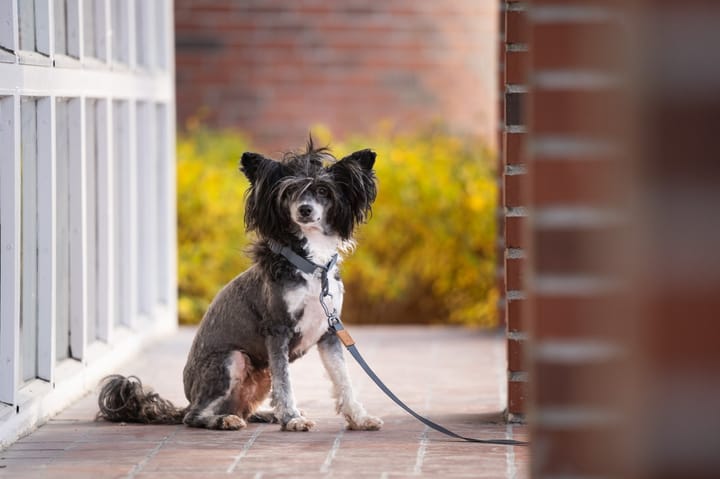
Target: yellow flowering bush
426,255
211,233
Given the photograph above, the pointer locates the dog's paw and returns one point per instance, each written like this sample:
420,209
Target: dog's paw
299,424
231,422
364,423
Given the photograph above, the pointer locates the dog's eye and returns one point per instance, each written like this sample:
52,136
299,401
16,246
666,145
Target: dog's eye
322,191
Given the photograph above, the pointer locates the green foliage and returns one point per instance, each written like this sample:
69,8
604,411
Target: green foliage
426,255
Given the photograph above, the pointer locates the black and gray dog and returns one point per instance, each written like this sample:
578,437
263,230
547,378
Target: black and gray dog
269,315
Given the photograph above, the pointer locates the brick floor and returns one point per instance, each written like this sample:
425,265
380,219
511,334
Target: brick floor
453,375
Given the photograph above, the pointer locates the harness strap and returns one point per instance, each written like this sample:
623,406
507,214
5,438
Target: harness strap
349,343
303,264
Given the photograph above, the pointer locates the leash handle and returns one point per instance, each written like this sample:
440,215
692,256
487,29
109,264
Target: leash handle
349,343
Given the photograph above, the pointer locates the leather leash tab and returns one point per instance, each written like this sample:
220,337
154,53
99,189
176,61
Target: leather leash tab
343,335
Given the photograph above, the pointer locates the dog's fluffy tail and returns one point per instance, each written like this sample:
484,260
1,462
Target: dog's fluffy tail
123,399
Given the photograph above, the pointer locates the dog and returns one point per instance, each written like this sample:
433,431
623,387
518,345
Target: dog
269,315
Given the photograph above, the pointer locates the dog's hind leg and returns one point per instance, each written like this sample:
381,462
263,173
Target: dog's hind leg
282,398
332,358
225,392
209,418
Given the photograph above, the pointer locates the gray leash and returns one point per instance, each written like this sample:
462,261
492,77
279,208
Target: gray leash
347,340
336,326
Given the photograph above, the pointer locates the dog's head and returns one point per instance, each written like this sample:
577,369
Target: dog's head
308,191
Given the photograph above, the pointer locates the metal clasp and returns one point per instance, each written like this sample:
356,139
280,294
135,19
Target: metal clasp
332,316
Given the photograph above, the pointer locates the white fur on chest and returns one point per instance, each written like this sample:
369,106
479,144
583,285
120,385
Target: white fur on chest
304,300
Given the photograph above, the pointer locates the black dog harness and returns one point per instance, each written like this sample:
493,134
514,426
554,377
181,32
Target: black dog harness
336,326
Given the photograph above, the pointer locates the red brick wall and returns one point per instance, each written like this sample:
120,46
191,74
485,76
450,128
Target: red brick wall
275,68
512,171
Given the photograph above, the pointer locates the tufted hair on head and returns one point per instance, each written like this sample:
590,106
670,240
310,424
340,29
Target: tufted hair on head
350,182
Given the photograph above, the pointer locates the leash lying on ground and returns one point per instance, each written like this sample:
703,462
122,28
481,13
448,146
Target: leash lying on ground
347,340
337,327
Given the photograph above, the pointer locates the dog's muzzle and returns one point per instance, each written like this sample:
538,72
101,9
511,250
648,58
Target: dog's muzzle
305,213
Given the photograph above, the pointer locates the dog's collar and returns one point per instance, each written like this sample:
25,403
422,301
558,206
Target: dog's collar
303,264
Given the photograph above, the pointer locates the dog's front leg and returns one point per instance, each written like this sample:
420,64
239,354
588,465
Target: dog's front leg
282,398
332,358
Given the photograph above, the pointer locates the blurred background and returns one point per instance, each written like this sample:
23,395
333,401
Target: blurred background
415,81
603,277
546,166
602,263
274,68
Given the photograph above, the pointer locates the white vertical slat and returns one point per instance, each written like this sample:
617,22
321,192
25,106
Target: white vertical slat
159,32
103,30
10,198
130,186
47,226
140,20
126,227
131,33
119,157
163,239
106,221
147,164
74,28
142,155
168,214
89,29
164,37
59,22
28,318
77,185
120,39
7,25
167,234
26,14
62,252
145,44
44,26
91,214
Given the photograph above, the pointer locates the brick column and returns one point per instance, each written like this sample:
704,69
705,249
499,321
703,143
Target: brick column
578,123
500,166
675,265
513,170
622,272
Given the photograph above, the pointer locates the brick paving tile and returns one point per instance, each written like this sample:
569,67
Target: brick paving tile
453,375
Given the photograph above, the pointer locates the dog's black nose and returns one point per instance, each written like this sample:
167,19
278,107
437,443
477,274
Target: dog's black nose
305,210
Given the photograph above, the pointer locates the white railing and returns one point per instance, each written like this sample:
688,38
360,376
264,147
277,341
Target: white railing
87,195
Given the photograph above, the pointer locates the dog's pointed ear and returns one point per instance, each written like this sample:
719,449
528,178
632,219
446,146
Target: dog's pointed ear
250,163
365,158
358,190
